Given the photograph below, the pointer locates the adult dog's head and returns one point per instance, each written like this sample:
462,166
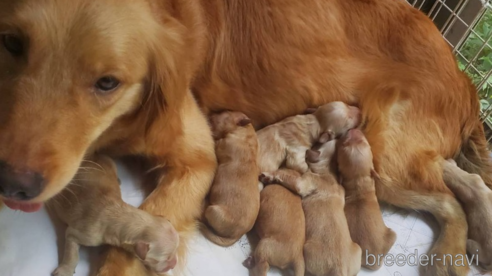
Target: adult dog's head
68,70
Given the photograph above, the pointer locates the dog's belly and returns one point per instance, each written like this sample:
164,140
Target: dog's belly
275,60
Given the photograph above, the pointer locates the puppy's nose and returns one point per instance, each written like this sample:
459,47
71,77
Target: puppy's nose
19,184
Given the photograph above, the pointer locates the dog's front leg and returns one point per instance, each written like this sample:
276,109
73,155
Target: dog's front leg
185,178
178,197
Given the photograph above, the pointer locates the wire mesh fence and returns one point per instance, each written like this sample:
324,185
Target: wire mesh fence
467,27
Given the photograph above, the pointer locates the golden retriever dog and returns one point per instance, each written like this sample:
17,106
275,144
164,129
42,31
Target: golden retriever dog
476,199
365,221
92,208
329,249
288,140
135,77
234,196
282,231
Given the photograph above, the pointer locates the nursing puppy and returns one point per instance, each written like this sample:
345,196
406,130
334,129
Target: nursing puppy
234,197
289,139
329,249
362,210
95,213
476,199
281,229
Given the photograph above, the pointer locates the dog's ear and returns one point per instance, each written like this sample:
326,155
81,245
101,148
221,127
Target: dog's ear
326,136
310,110
375,174
167,81
312,156
141,250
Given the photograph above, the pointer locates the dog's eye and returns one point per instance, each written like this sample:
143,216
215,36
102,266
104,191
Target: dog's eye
107,84
13,44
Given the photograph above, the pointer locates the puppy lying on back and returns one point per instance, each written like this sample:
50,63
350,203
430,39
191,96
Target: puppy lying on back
329,249
234,196
95,213
289,139
281,229
362,210
476,199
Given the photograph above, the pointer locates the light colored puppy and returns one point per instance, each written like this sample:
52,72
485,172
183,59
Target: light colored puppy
234,197
362,210
281,229
95,213
476,199
329,249
288,140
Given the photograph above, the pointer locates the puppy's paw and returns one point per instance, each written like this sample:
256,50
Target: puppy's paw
63,271
266,178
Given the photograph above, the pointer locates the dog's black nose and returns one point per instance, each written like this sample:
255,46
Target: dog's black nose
19,185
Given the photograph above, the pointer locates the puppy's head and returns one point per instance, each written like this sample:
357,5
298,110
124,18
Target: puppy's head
68,71
225,122
355,156
336,118
158,247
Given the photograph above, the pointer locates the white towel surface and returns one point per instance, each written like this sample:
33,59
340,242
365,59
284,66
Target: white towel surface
28,243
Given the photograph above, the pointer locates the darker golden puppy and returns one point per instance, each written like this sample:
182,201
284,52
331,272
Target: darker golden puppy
234,196
362,210
281,229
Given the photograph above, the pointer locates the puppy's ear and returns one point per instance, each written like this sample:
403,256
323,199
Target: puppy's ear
141,250
375,174
310,110
326,136
312,156
244,121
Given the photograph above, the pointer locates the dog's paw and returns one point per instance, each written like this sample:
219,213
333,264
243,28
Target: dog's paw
266,178
63,271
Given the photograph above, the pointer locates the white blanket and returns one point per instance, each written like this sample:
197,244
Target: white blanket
28,243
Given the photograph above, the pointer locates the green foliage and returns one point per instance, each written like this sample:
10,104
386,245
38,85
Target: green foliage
483,62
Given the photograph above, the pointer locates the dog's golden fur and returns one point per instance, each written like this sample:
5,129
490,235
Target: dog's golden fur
267,59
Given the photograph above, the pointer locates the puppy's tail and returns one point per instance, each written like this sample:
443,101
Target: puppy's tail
474,156
211,236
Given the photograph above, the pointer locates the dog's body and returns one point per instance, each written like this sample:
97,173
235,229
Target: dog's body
120,74
362,210
95,214
476,199
288,140
329,249
281,229
234,197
